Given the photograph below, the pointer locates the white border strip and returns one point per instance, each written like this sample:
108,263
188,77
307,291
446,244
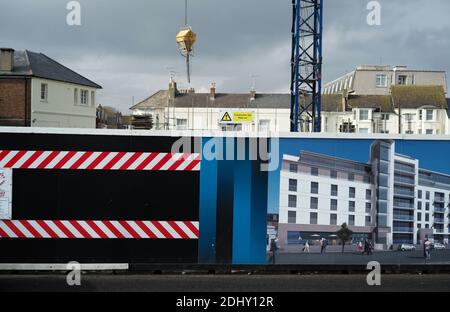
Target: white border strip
211,133
62,266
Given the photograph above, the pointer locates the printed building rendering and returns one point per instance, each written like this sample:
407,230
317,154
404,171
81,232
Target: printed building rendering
389,200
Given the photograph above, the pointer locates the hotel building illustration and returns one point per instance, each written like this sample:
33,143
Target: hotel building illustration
389,200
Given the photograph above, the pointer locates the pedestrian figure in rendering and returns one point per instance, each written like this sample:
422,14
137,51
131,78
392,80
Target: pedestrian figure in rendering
360,247
325,244
367,247
322,245
427,249
306,248
273,249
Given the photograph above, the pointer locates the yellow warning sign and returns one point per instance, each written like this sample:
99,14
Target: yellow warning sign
226,117
239,117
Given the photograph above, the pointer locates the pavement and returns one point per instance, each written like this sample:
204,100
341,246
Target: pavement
223,283
350,258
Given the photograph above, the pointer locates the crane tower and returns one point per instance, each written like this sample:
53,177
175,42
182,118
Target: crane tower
306,65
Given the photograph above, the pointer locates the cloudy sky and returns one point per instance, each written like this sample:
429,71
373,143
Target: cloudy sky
129,47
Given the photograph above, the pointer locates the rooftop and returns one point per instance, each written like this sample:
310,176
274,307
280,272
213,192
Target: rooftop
413,97
32,64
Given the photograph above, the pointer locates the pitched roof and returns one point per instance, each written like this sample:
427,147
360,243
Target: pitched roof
419,96
32,64
410,97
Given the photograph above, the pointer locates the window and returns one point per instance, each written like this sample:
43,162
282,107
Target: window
314,188
313,218
429,132
427,195
381,81
75,96
420,114
419,226
401,80
314,203
293,168
351,177
368,221
292,201
363,114
385,116
264,125
419,216
427,226
419,194
182,124
333,204
351,206
368,207
352,192
364,130
292,185
84,100
93,98
419,205
333,174
334,190
314,171
430,114
427,206
368,194
44,92
351,220
427,217
333,219
292,217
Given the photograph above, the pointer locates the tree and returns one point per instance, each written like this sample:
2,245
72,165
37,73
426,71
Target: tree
344,234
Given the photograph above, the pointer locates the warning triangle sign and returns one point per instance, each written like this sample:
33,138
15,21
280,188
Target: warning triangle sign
226,117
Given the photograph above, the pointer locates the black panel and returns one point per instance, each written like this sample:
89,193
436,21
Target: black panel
100,195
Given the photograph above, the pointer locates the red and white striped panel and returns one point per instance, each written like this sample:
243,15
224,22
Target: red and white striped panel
99,160
57,229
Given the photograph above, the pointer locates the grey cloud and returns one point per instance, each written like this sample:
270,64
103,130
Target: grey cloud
127,45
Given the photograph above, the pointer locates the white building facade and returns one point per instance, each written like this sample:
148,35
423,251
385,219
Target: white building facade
389,200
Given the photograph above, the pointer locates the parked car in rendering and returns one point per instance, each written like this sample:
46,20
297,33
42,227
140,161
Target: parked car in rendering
438,246
406,247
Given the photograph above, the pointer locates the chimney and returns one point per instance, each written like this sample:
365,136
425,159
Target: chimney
212,91
6,59
172,89
252,95
191,91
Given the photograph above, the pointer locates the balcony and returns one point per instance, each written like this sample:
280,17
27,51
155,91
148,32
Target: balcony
404,168
439,220
440,231
403,217
401,229
403,206
439,210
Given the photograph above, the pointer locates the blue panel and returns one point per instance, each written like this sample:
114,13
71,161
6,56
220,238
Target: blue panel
208,210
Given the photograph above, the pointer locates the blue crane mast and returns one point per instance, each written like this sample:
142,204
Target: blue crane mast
306,65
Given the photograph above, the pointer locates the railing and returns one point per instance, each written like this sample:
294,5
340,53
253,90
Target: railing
401,229
404,168
401,192
439,210
439,199
439,220
439,231
403,206
404,180
403,217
